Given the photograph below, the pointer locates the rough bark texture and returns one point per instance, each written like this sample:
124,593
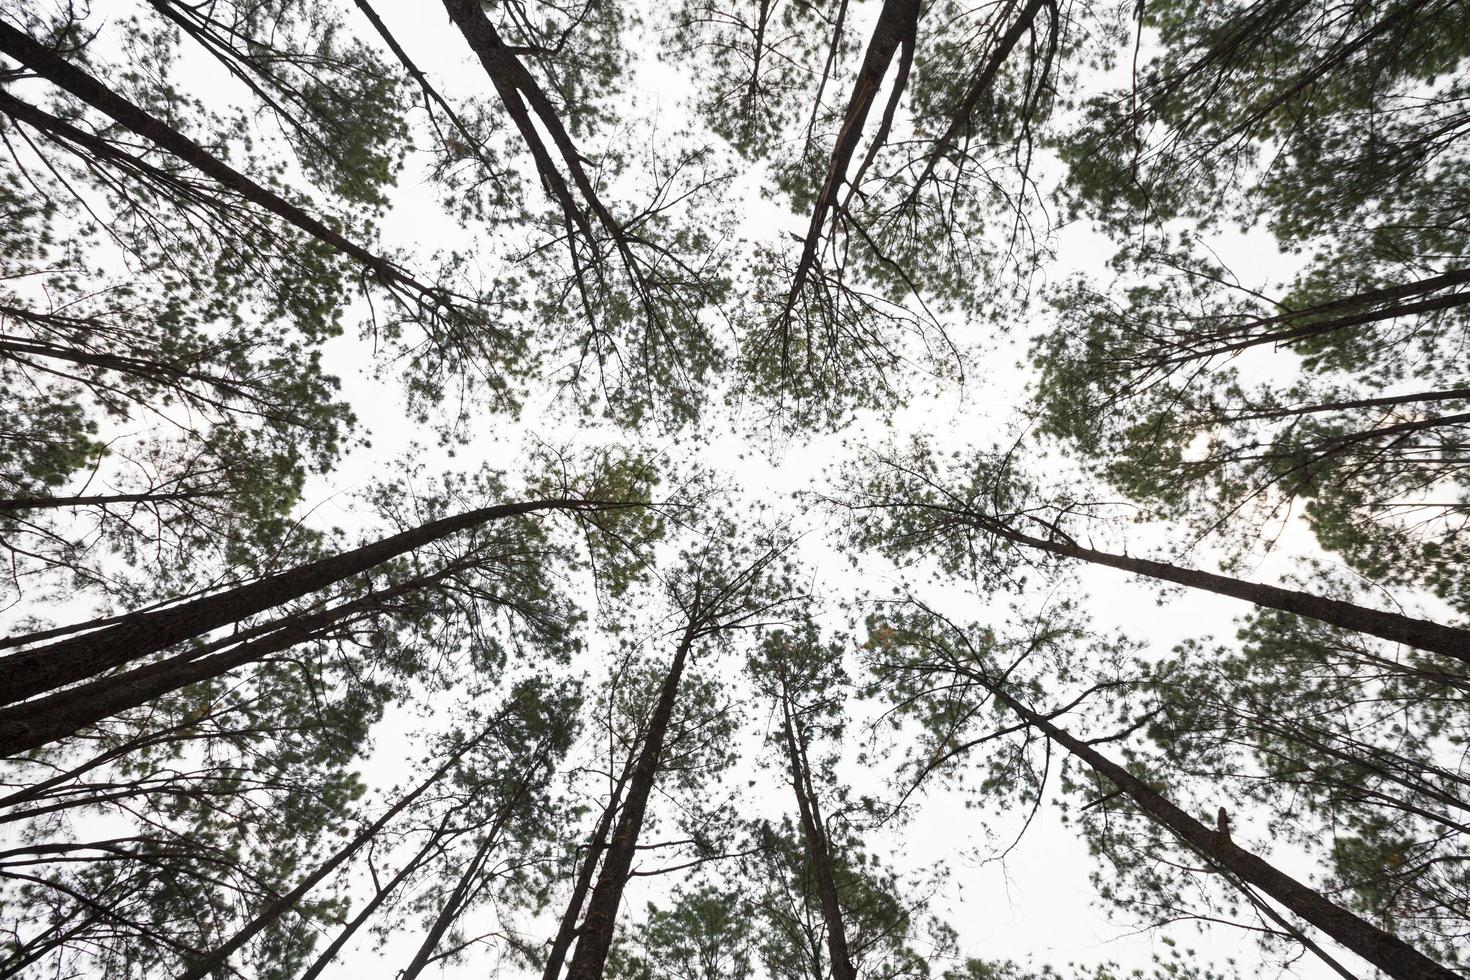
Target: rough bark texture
55,716
596,935
33,672
1383,949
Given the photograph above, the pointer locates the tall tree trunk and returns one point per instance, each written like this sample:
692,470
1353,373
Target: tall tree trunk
217,958
1450,641
596,935
981,87
1383,949
431,95
380,896
464,888
74,80
567,931
522,96
1225,344
32,672
893,33
55,716
71,629
816,846
21,349
1384,401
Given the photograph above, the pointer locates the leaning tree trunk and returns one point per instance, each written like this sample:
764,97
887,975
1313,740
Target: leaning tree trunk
44,668
11,505
981,88
55,716
1422,634
817,849
893,34
463,891
522,96
216,959
1238,339
596,935
1384,950
381,895
46,63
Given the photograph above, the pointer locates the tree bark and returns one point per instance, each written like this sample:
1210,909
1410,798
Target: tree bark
817,849
1423,634
430,94
596,935
45,668
72,79
1383,949
567,931
217,958
1384,401
55,716
521,96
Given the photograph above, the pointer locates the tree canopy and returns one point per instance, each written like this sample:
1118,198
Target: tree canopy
751,489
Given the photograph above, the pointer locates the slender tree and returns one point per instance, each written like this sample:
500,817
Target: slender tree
954,654
908,507
805,680
718,595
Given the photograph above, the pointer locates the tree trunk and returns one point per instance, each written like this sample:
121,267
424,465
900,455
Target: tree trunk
11,505
817,850
1372,297
894,30
20,349
1286,336
596,935
1385,401
32,672
217,959
567,931
379,897
71,629
431,95
463,889
1450,641
55,716
984,82
61,73
1383,949
522,95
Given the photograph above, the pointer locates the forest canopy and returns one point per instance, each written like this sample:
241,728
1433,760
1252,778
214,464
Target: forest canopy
735,489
